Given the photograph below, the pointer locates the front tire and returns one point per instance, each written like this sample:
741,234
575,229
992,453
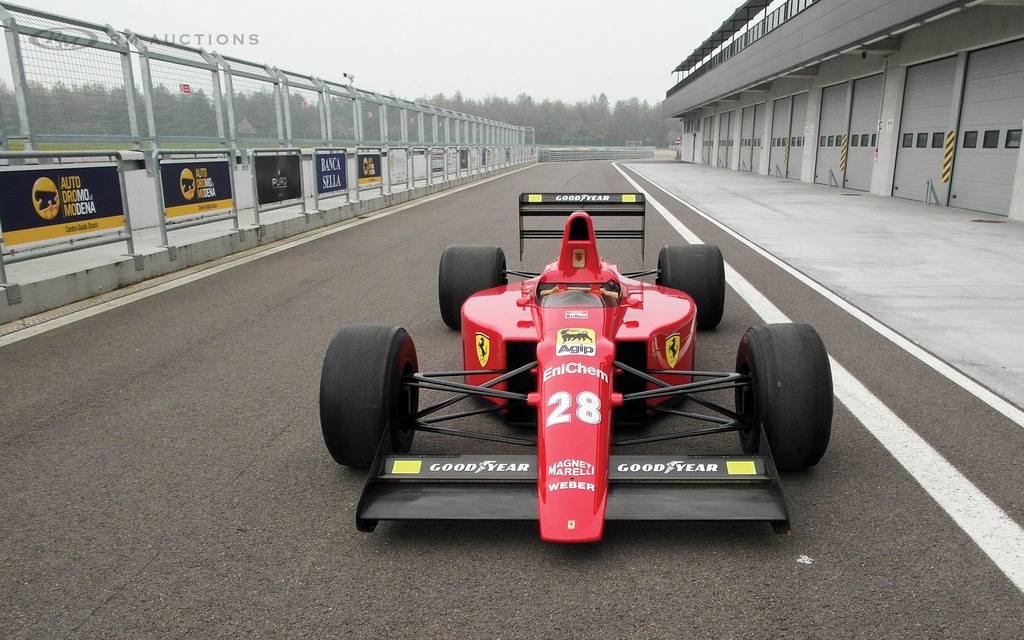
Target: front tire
699,271
466,269
790,393
361,394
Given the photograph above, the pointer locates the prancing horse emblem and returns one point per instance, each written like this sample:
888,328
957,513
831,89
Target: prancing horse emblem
672,350
483,348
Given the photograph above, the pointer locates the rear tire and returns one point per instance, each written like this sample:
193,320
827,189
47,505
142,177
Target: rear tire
465,270
790,393
361,394
699,271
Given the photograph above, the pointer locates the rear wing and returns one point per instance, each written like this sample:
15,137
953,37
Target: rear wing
597,205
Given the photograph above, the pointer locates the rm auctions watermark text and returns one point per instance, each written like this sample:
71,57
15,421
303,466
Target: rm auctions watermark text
210,39
67,38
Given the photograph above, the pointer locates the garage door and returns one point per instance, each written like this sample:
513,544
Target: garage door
927,103
708,138
778,158
798,124
724,141
860,157
989,136
747,138
755,165
831,126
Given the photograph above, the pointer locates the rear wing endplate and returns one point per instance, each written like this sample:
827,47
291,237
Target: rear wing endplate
597,205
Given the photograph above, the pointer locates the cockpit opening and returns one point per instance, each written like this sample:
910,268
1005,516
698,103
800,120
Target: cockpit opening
577,294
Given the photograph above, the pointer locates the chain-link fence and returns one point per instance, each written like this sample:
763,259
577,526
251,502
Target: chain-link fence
182,93
71,80
74,84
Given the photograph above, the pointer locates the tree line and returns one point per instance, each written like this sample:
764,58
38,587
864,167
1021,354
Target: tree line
586,122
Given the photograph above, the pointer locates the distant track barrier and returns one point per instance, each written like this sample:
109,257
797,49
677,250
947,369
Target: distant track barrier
571,154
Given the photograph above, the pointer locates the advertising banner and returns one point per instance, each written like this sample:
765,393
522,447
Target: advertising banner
452,158
278,178
437,162
369,170
398,165
419,164
331,172
463,159
195,186
54,202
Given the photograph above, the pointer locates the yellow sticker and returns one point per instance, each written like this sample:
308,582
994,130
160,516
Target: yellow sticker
629,197
740,467
535,197
410,467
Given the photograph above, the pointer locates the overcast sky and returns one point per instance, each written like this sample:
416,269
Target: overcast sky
555,49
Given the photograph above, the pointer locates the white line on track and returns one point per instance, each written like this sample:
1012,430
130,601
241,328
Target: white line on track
990,527
949,372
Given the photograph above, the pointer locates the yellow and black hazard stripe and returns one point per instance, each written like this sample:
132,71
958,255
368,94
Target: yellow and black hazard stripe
947,158
842,153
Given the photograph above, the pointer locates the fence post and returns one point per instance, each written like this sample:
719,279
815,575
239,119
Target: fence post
150,140
218,97
18,77
284,114
325,109
129,87
231,141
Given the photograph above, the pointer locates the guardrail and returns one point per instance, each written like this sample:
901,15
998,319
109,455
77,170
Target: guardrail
55,203
74,85
751,34
570,154
59,202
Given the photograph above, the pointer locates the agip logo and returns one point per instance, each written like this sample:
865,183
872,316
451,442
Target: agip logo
576,342
45,198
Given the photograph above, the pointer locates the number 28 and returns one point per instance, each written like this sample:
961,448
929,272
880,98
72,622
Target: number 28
588,408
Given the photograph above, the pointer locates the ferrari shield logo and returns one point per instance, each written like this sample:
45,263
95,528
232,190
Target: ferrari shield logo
483,349
672,350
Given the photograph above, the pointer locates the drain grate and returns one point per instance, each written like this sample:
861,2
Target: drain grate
990,221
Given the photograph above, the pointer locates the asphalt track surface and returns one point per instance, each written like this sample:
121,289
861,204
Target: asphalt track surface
164,475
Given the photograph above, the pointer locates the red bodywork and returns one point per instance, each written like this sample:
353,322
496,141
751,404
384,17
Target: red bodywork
577,332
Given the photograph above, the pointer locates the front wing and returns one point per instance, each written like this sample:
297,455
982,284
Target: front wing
641,487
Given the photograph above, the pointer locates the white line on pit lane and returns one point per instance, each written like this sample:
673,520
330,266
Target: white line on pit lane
942,368
990,527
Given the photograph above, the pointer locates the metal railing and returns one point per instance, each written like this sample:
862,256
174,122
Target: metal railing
754,32
75,85
569,154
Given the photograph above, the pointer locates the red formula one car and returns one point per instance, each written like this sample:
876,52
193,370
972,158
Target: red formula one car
585,357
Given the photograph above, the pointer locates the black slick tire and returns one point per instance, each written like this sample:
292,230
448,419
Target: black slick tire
697,270
790,394
465,270
361,395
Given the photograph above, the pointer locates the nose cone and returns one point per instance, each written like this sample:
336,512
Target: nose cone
574,363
